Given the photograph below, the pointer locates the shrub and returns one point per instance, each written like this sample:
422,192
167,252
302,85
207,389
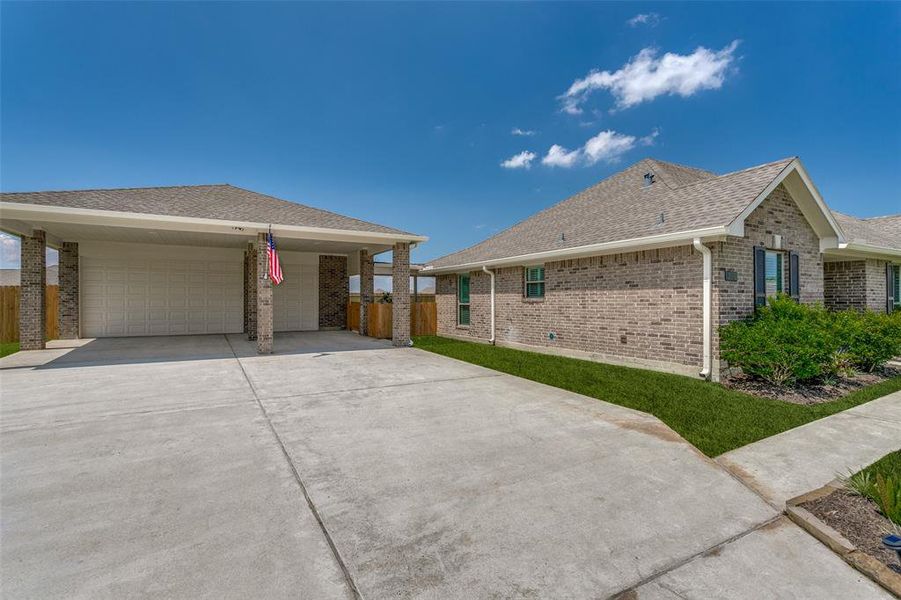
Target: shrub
783,343
871,339
786,342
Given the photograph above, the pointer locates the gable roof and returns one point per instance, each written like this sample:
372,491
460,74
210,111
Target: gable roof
221,202
876,232
620,209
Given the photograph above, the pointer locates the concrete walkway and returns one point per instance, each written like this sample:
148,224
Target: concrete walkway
808,457
192,467
779,560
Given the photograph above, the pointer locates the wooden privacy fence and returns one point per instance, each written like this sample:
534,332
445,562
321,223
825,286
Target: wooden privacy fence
9,312
423,319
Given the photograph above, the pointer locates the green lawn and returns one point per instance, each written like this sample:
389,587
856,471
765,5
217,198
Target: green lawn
708,415
888,466
7,348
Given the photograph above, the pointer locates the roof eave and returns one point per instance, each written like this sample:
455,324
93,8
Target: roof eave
666,240
14,212
861,250
806,196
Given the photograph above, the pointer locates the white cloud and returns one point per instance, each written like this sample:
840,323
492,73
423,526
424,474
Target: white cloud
647,76
649,19
648,140
523,132
9,251
523,160
608,146
558,156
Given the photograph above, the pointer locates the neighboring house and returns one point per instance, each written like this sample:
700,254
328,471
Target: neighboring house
10,277
644,267
192,260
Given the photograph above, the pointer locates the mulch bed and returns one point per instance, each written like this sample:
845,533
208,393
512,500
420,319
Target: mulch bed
813,393
858,519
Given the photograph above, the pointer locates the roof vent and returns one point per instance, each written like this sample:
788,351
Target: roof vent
661,218
648,179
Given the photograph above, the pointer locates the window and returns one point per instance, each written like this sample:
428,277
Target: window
774,273
534,282
896,287
463,300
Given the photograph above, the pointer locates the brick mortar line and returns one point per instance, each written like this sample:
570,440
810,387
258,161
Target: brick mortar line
355,592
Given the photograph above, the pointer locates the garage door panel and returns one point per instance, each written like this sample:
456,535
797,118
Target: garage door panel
160,297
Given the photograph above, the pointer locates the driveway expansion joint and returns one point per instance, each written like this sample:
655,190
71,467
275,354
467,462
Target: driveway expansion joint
303,488
382,387
759,527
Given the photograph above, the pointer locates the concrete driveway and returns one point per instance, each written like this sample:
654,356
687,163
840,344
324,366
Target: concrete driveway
191,467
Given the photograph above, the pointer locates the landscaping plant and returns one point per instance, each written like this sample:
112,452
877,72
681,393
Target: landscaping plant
787,343
881,483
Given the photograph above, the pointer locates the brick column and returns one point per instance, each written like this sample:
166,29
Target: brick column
400,293
367,289
32,292
264,299
333,292
250,291
68,291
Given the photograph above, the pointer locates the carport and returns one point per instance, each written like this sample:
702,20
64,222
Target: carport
192,260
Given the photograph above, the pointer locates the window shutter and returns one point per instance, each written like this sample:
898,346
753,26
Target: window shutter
794,276
889,288
759,276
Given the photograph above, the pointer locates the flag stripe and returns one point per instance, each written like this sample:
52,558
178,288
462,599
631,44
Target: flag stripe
274,267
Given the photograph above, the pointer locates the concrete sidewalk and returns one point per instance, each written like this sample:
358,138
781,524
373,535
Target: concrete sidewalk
778,560
808,457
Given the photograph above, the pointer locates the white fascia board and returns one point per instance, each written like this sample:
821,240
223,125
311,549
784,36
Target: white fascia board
112,218
794,166
854,250
681,238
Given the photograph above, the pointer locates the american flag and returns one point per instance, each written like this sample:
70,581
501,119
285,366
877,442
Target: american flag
275,268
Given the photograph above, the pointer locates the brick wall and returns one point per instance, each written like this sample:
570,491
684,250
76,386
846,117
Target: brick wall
400,294
68,291
367,284
857,284
263,298
778,214
845,284
876,291
643,305
32,289
333,292
250,292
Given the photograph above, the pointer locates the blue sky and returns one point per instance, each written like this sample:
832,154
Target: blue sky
404,113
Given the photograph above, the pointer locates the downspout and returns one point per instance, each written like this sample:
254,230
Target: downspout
491,274
708,276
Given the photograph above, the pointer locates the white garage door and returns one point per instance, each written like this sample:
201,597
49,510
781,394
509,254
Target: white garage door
160,296
295,301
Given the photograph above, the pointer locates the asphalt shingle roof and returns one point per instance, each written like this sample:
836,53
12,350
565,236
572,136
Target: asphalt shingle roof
225,202
621,208
882,232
